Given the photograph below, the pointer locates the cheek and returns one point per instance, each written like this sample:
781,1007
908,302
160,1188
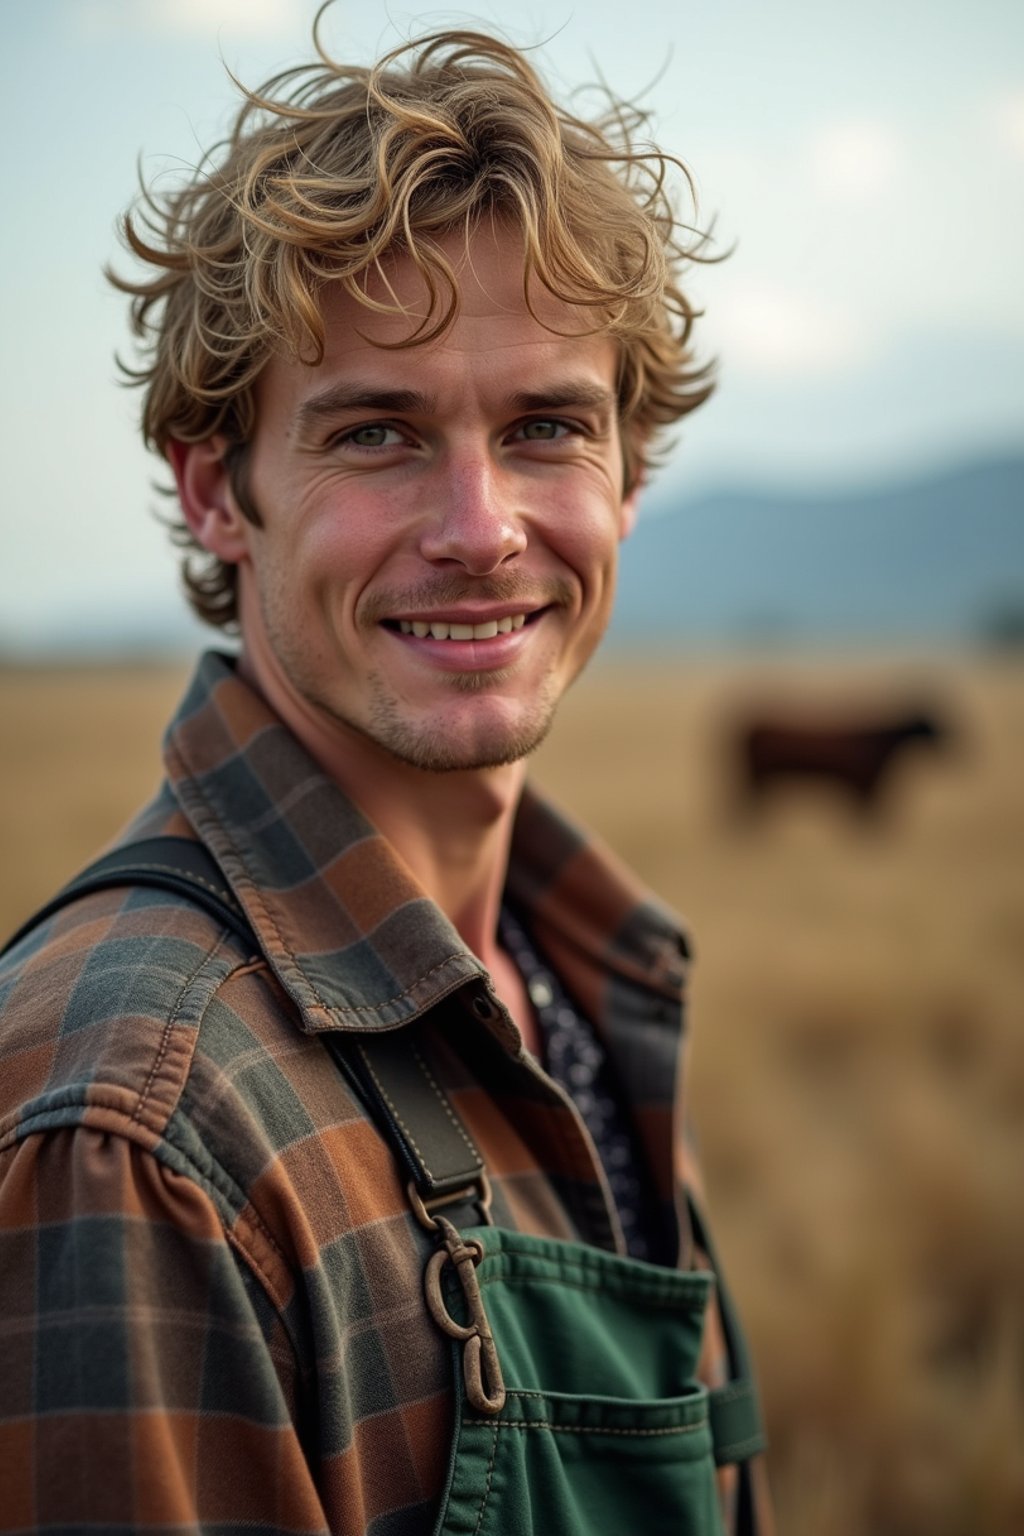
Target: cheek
586,537
340,544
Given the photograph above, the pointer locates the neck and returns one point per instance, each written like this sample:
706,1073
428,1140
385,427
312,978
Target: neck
452,830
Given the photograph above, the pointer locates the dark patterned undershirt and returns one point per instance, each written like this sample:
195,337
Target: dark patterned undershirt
578,1062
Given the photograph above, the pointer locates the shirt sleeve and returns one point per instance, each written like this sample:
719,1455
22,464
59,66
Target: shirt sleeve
147,1381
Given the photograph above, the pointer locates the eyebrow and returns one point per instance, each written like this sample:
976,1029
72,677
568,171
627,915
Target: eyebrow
337,398
557,395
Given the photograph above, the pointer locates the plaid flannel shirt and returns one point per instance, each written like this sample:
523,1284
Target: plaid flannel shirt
211,1311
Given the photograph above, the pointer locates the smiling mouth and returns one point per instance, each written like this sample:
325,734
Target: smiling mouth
440,629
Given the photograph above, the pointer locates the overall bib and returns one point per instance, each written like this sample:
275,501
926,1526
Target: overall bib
603,1428
577,1408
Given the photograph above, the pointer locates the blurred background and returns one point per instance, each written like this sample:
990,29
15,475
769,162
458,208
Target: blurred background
807,727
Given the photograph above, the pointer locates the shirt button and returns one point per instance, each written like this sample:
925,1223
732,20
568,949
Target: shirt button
540,992
483,1008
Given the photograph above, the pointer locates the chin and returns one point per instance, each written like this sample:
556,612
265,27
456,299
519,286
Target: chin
435,746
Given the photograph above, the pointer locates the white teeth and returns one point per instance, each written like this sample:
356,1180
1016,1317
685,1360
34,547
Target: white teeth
437,629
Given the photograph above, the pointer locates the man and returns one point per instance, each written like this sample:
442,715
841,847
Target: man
411,345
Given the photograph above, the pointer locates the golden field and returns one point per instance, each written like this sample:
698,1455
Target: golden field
858,1076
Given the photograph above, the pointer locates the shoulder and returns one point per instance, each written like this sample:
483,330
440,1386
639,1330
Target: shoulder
134,1014
101,1007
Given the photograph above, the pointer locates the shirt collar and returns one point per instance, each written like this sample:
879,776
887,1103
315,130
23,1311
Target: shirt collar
349,933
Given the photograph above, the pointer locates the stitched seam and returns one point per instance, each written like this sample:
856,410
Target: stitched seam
374,1007
490,1475
398,1119
584,1429
526,1392
184,874
165,1038
584,1283
256,1220
249,1258
443,1100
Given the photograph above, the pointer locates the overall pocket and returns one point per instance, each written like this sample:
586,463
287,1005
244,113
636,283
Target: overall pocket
604,1429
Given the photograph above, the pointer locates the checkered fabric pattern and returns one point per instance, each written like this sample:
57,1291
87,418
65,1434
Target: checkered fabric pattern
211,1313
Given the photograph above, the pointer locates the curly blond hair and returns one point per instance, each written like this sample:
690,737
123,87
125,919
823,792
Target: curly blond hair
328,169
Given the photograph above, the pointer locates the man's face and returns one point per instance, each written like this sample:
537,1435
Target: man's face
441,522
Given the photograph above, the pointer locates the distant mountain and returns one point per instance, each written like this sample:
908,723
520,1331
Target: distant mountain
937,558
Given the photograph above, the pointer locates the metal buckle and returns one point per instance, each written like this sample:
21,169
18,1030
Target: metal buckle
481,1368
479,1189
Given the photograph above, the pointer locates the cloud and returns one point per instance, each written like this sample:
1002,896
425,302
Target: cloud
1007,118
770,330
189,18
858,158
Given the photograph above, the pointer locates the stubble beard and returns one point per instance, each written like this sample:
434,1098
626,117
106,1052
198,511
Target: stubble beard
427,743
428,746
421,743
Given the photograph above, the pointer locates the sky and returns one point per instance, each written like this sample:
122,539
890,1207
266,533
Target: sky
863,164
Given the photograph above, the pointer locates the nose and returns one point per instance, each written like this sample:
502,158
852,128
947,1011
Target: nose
473,522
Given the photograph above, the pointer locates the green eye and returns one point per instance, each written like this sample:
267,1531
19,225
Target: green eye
370,437
542,431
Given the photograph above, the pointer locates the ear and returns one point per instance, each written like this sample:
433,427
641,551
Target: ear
212,514
629,508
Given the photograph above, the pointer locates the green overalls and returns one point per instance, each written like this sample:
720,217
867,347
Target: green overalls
578,1411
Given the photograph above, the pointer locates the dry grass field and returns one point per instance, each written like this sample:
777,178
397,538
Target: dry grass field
858,1076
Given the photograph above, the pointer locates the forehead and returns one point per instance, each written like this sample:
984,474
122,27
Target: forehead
489,265
499,336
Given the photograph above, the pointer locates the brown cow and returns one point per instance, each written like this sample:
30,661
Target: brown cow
857,755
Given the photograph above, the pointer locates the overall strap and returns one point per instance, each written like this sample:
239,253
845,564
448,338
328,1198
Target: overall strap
176,864
392,1078
735,1409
